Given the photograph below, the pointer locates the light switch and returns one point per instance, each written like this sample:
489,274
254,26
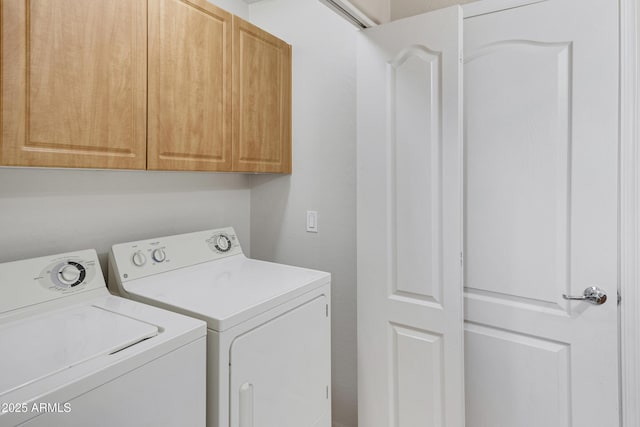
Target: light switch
312,221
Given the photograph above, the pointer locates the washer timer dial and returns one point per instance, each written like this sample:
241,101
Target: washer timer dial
70,273
222,243
67,275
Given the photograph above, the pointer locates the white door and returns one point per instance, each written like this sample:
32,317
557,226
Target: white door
280,371
410,320
541,147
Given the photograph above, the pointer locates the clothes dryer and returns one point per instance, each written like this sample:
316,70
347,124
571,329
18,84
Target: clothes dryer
268,325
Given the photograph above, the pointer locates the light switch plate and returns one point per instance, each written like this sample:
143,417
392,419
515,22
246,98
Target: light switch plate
312,221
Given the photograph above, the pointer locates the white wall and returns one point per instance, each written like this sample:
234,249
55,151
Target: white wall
323,179
383,11
404,8
47,211
237,7
378,10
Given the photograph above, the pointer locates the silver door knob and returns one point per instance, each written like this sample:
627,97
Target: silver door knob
593,294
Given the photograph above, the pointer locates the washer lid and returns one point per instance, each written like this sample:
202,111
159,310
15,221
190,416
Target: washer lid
226,292
39,346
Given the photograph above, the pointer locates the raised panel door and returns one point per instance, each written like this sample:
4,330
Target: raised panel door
541,215
74,83
262,100
189,86
410,313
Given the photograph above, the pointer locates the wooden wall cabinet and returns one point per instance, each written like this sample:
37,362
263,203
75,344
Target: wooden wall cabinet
261,100
74,83
190,48
75,77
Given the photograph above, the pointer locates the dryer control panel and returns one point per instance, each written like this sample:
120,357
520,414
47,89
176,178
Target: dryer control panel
134,260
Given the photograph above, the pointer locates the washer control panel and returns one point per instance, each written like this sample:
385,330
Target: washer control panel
67,274
134,260
33,281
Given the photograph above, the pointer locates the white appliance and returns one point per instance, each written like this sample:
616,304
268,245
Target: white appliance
71,354
269,326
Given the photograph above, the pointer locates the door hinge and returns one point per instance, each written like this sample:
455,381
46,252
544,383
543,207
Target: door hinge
327,388
461,260
619,297
327,309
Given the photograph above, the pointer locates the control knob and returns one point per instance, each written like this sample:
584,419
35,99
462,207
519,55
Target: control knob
158,255
69,274
138,259
223,243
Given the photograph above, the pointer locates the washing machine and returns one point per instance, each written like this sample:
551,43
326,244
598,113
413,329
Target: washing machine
72,354
268,325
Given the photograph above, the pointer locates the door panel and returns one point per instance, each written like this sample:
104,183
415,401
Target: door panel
418,377
280,370
536,369
74,83
416,226
189,86
262,100
541,141
516,229
409,223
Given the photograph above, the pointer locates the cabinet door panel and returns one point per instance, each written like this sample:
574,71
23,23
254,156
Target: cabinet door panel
189,86
262,101
74,83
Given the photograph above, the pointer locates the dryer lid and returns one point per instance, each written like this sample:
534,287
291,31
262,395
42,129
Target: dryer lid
37,347
229,291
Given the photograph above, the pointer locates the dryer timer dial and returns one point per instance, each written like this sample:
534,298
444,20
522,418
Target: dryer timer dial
159,255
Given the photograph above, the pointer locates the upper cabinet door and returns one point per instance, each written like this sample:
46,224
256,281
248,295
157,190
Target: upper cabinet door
189,86
262,100
74,83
